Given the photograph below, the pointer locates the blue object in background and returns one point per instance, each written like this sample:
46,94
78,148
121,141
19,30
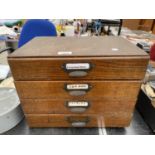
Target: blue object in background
35,28
3,38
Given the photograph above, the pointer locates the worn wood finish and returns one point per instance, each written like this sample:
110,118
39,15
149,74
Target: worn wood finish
115,78
103,68
55,106
56,89
79,46
60,120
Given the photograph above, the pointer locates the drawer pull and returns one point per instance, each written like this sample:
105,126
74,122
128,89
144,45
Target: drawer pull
77,69
77,106
77,89
78,122
77,73
77,93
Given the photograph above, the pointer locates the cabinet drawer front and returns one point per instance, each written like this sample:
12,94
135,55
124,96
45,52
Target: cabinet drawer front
55,120
97,89
104,106
81,68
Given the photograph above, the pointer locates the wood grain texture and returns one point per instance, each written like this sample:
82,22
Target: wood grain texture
55,89
79,46
103,68
115,78
60,120
58,106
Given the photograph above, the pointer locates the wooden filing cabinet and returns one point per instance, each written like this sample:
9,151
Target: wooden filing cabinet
78,82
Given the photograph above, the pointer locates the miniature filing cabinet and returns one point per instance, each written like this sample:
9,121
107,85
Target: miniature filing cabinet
78,81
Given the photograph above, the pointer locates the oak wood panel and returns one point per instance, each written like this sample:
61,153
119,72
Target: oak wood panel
49,106
103,68
56,120
55,89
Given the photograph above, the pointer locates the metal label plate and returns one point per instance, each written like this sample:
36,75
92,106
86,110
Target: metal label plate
77,86
77,66
78,104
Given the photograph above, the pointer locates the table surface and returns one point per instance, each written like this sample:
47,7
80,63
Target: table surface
137,127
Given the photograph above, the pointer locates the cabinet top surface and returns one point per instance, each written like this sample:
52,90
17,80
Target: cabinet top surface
77,47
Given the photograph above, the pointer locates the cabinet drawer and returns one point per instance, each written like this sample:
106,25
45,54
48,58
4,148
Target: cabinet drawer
49,106
55,120
78,68
77,89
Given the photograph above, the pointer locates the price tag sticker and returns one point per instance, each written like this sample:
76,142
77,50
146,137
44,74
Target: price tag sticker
65,53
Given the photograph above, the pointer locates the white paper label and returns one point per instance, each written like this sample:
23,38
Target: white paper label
77,66
114,49
77,86
78,104
65,53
